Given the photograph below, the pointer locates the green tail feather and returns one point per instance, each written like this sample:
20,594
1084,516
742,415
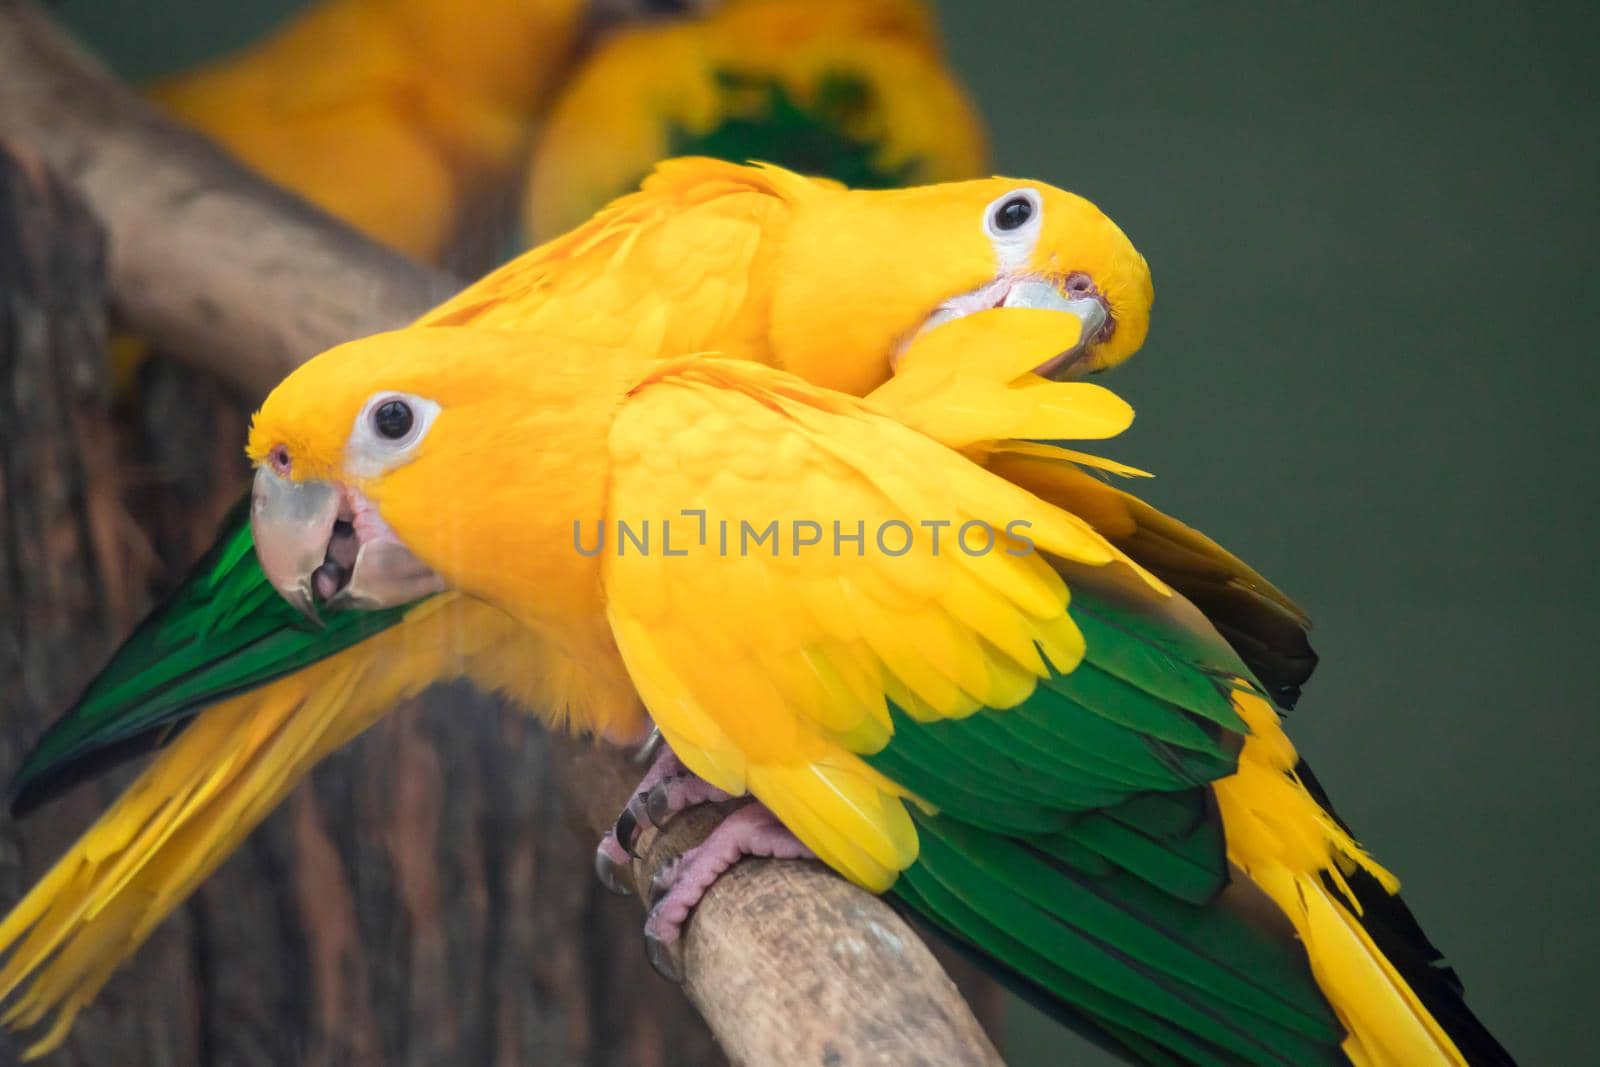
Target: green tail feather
225,630
1116,1026
1201,984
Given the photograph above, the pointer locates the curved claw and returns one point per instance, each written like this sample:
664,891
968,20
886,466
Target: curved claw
677,793
658,805
630,825
663,958
615,875
676,890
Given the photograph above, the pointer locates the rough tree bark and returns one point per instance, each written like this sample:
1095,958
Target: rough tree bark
422,901
64,593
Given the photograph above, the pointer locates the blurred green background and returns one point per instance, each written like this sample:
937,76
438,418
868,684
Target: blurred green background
1372,373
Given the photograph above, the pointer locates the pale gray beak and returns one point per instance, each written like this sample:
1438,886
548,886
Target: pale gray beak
1076,294
315,551
292,523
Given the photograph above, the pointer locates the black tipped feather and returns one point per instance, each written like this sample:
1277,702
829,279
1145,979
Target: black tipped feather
1398,935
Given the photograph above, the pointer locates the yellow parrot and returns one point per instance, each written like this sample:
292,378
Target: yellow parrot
753,262
390,114
1024,736
856,90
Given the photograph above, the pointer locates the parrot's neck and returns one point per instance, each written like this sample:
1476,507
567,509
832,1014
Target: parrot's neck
511,535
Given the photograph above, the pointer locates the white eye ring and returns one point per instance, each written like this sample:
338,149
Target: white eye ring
369,453
1012,223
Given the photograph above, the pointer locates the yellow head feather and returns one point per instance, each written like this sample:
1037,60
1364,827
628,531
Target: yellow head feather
494,392
863,267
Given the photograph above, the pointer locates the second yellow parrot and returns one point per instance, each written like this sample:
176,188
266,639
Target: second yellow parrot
856,90
390,114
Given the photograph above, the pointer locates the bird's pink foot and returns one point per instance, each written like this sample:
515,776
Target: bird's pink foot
666,789
679,792
750,830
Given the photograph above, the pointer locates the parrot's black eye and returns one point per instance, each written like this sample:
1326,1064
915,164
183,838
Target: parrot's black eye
1012,221
392,419
388,432
1013,213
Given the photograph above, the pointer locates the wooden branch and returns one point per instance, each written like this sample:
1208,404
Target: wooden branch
788,963
207,261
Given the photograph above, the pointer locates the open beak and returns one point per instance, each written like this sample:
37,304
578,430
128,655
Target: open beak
322,544
1074,294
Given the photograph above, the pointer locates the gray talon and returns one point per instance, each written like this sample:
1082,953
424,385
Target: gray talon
663,958
611,876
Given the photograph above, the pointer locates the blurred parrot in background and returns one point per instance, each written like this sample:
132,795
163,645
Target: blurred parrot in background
855,90
1031,741
756,263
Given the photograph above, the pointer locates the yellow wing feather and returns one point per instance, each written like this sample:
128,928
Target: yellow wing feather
696,278
774,682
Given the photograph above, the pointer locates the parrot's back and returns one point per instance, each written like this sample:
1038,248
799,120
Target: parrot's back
685,264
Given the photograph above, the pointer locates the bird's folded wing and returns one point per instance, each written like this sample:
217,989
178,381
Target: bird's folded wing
819,569
1019,744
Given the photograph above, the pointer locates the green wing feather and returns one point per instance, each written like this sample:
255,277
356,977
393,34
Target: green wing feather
225,630
1077,849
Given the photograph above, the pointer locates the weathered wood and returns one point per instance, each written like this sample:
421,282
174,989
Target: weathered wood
423,902
207,260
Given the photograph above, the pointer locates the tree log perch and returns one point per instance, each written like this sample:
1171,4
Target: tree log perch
790,963
787,963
